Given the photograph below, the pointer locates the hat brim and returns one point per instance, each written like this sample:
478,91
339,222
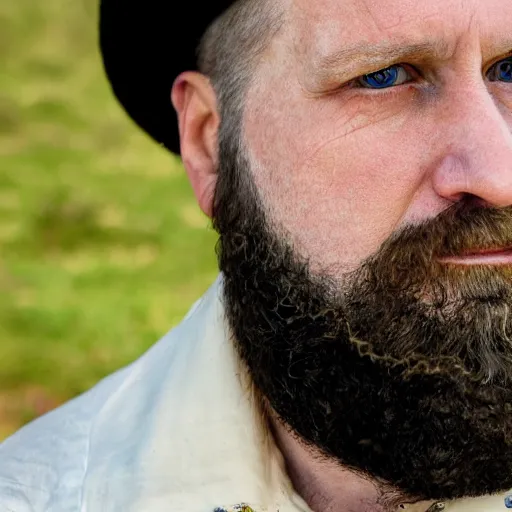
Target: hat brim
145,45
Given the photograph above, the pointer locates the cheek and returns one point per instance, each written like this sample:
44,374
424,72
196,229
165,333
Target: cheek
336,181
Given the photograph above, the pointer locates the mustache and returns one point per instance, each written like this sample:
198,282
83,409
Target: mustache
461,228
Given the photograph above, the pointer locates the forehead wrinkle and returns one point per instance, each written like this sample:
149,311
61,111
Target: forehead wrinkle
362,40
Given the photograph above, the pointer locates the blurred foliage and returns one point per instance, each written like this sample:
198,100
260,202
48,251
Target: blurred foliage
102,246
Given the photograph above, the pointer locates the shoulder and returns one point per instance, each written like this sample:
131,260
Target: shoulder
96,448
47,459
50,463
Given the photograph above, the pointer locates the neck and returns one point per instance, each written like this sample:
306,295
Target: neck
327,486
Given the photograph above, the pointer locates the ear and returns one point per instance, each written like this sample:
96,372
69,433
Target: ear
195,102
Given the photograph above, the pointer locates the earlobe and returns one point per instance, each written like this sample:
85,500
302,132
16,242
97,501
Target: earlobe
195,102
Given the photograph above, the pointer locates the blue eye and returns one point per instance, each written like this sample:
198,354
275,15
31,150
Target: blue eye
501,71
385,78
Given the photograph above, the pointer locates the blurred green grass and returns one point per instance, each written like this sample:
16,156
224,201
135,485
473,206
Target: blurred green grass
102,246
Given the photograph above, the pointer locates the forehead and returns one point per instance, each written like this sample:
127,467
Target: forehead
323,25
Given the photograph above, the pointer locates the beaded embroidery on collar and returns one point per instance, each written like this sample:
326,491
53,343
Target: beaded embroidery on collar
436,507
242,507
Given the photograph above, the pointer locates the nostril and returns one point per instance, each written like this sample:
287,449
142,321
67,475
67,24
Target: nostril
475,201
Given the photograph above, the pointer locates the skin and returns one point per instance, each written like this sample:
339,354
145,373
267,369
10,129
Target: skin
326,155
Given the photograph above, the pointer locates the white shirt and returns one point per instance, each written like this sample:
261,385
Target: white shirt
176,431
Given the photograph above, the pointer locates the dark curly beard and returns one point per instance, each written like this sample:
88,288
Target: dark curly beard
400,370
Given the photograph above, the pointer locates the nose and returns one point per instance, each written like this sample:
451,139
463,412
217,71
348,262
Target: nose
477,149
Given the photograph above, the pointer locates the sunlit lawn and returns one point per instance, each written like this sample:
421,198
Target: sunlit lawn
102,248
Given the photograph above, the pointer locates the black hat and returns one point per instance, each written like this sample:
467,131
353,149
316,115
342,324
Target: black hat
145,46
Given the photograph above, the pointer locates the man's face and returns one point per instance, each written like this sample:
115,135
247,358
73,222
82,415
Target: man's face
336,218
326,154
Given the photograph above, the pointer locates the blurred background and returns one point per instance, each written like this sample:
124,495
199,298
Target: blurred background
102,247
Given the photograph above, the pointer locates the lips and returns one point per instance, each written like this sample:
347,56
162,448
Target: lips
481,252
492,256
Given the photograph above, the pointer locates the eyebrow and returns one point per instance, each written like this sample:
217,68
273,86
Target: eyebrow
366,57
374,56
